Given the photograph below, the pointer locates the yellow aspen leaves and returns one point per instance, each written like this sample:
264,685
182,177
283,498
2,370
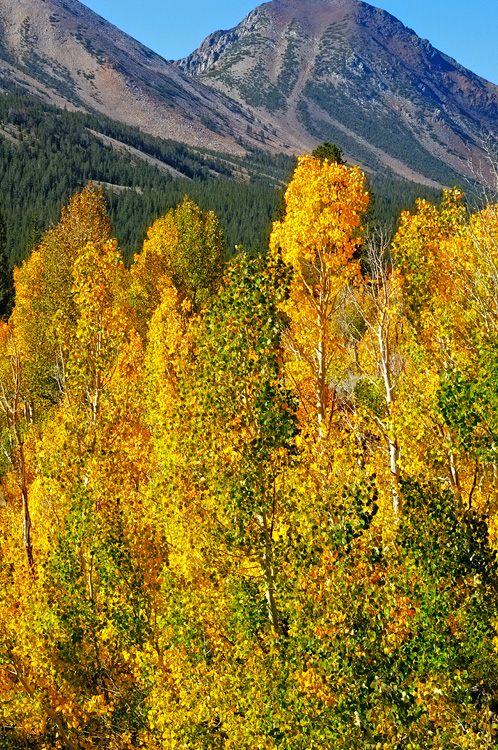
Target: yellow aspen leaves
324,205
253,504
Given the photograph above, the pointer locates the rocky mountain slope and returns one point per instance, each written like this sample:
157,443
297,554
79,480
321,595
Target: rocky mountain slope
291,74
344,71
68,55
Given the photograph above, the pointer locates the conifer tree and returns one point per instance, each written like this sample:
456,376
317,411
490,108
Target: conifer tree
6,280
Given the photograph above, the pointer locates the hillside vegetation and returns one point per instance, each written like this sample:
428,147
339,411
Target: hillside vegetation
46,154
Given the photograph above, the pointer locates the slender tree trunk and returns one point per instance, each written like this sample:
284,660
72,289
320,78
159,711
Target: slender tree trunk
97,396
390,400
26,516
454,477
12,405
52,715
269,574
321,407
322,349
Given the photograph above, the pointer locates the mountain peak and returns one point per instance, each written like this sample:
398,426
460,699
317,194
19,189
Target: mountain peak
291,74
345,71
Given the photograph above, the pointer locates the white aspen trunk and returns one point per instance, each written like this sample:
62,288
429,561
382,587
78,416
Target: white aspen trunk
269,574
322,351
390,399
26,525
98,382
90,577
26,516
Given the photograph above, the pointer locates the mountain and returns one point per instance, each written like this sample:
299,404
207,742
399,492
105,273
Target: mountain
347,72
293,73
67,55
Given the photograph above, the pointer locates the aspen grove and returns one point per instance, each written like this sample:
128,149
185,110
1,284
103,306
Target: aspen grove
253,504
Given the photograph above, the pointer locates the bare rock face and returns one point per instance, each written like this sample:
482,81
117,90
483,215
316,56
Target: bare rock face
344,71
216,45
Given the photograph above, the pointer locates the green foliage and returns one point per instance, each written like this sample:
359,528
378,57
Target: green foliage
446,545
240,371
469,404
195,264
328,151
368,395
47,154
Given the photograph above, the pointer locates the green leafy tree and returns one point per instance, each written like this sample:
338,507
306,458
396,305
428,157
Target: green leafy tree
328,152
184,248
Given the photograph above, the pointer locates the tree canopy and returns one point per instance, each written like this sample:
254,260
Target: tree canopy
252,503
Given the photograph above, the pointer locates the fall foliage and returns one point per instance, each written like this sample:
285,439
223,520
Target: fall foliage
253,504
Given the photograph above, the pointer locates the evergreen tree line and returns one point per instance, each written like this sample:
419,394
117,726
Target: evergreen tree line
46,154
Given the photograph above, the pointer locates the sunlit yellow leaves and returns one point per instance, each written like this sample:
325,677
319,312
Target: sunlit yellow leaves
311,683
447,271
324,204
318,238
44,315
427,252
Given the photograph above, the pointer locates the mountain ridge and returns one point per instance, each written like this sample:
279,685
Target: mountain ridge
334,61
293,73
65,53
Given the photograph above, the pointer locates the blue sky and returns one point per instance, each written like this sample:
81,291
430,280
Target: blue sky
465,30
